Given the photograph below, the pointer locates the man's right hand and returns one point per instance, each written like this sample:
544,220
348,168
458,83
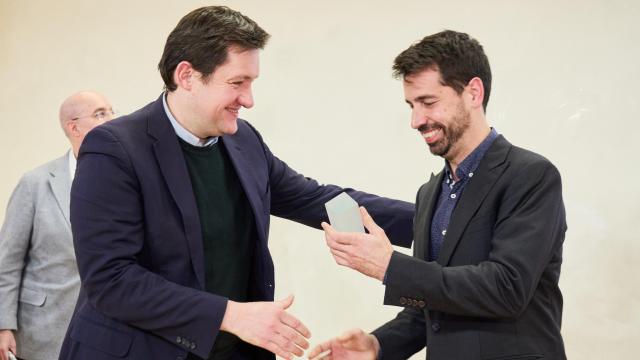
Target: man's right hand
267,325
7,343
352,345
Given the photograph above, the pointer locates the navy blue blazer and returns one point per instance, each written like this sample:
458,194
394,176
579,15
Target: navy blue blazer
138,238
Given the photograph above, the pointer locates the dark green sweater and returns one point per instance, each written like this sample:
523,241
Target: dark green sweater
228,229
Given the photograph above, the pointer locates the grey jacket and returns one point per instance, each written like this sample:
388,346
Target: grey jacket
39,280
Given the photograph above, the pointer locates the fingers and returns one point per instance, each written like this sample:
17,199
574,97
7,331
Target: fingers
276,349
368,222
341,258
349,335
295,324
288,345
294,337
319,349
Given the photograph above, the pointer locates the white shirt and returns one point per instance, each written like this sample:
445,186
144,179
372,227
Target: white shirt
72,164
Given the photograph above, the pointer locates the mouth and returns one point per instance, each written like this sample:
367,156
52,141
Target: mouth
432,135
233,110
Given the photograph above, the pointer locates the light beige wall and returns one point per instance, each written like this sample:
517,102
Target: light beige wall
565,85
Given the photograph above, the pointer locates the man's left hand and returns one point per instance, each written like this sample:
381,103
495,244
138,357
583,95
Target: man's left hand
367,253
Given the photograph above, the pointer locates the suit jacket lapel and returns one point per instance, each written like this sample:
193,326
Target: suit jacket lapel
174,170
248,180
488,172
60,182
424,213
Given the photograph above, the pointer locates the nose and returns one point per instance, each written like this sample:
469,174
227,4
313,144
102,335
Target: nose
246,98
417,119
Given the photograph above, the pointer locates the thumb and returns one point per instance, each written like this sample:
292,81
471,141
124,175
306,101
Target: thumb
368,222
286,302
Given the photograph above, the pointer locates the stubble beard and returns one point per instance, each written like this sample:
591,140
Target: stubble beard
459,124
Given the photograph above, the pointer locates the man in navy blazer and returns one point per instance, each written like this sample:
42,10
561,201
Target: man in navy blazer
170,213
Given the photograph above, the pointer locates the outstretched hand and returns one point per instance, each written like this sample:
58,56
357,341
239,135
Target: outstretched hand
267,325
352,345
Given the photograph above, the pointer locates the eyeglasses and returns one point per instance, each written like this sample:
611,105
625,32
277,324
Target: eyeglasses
98,115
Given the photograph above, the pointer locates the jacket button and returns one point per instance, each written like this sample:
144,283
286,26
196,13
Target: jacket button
179,340
421,304
403,300
414,302
435,327
192,346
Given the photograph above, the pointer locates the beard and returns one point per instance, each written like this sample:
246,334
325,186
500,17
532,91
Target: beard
451,134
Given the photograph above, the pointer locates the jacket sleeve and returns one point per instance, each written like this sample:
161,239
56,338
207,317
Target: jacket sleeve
301,199
403,336
15,237
529,229
108,227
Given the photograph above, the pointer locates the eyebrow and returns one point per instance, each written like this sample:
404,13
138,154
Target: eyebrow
421,98
241,77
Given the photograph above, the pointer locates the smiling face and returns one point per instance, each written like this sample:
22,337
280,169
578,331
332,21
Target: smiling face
215,101
438,112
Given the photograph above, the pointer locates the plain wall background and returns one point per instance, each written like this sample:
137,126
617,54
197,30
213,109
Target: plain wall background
565,78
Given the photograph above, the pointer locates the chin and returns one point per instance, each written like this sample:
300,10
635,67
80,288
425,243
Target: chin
230,129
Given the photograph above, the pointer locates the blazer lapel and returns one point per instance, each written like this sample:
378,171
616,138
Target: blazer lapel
489,171
60,182
174,170
424,213
248,180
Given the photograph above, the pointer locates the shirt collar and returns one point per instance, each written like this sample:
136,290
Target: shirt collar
183,133
72,164
471,162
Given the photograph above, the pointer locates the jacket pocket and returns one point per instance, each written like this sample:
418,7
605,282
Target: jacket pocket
32,297
101,338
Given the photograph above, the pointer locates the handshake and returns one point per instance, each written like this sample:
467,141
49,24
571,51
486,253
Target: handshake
268,325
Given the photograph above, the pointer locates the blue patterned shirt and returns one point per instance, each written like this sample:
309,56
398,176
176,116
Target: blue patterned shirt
451,191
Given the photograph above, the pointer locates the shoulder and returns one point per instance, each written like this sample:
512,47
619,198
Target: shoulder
42,172
531,163
246,130
131,125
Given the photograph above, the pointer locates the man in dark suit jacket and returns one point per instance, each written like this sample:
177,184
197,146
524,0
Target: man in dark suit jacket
170,213
483,279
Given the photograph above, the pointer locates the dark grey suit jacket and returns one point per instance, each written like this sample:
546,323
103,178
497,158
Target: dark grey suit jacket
493,291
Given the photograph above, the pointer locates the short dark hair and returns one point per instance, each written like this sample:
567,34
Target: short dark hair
203,38
457,56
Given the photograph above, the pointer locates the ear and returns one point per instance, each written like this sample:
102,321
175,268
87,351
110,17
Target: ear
71,128
475,88
183,75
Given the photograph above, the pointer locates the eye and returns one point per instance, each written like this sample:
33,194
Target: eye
236,83
428,103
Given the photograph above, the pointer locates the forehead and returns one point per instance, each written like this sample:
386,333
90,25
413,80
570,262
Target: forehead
239,63
428,79
94,102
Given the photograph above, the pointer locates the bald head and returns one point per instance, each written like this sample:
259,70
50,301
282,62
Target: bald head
81,112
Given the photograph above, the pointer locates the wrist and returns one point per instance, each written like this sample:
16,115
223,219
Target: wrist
387,260
376,345
230,315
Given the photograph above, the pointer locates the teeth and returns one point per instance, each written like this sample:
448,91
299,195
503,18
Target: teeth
430,133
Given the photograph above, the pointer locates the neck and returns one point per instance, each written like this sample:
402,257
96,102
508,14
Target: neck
75,147
182,112
466,144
